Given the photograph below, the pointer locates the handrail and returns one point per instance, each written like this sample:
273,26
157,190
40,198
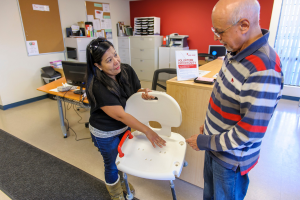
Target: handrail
130,136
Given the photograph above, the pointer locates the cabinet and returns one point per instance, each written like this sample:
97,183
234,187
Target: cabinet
167,59
144,55
124,49
146,26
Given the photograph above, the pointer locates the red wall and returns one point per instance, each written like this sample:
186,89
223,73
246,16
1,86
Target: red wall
189,17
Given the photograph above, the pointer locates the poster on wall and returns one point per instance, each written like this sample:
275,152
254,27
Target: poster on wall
187,64
32,48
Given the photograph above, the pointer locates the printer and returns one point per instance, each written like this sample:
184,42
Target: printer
175,40
76,48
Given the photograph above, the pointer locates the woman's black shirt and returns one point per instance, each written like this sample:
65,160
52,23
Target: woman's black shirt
99,119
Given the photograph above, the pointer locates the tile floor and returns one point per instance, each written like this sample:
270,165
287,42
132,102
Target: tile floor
276,176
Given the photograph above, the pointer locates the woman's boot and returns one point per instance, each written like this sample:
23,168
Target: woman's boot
132,190
115,190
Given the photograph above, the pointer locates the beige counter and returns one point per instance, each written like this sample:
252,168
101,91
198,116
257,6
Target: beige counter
193,99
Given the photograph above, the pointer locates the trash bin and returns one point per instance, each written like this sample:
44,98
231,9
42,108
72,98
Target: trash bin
49,75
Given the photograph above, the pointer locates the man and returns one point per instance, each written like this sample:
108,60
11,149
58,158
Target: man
247,90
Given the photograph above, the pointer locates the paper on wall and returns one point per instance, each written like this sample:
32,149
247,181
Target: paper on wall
40,7
106,7
108,35
187,64
106,24
90,18
99,14
32,47
96,24
46,8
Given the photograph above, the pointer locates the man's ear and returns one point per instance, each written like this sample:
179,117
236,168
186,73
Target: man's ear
245,25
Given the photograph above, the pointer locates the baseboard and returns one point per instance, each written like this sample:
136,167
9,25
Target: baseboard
290,98
20,103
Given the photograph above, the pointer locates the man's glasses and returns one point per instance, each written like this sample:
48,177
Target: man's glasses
218,34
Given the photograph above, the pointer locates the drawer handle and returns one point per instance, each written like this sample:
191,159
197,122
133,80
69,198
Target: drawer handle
141,49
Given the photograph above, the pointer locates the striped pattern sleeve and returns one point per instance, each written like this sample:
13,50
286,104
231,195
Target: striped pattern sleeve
257,99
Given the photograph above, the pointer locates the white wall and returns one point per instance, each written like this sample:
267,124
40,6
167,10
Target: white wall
19,74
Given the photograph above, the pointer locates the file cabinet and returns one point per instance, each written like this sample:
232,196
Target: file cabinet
124,49
144,55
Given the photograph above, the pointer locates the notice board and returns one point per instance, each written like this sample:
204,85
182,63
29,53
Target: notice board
42,26
100,12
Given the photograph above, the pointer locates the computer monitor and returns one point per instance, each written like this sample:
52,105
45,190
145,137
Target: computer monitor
75,74
217,50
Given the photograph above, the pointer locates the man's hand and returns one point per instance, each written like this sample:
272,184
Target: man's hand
192,141
201,129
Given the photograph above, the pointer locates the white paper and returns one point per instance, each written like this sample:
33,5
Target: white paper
38,7
106,24
108,35
99,34
46,8
105,7
187,64
216,75
203,73
99,14
96,24
32,47
90,18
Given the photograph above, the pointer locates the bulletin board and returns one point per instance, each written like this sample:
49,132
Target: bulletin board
42,26
100,11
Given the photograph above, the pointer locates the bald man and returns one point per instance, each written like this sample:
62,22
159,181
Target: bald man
244,97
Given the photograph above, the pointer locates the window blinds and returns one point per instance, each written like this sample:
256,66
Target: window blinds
287,43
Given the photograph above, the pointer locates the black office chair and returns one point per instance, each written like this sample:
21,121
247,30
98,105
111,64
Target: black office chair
207,55
156,74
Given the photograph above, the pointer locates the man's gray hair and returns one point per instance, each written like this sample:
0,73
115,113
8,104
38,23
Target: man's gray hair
249,9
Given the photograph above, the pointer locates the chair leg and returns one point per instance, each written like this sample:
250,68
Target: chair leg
129,195
173,190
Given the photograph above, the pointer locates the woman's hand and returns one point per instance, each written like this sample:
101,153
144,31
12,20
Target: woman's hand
145,95
155,139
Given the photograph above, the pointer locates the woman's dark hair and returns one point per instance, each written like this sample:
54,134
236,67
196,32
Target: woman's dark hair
94,53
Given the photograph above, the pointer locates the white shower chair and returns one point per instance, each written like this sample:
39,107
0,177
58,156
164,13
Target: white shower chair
137,155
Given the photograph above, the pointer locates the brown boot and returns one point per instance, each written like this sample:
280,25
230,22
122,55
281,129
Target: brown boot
132,190
115,190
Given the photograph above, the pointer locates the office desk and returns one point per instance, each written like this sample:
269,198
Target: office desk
193,99
69,97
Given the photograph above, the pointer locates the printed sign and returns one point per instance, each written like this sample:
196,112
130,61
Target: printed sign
32,48
187,64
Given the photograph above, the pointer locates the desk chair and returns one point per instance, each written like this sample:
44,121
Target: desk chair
156,74
204,55
137,155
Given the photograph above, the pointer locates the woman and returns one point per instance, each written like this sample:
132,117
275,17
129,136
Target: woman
109,84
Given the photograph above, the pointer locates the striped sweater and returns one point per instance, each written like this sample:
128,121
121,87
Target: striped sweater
245,95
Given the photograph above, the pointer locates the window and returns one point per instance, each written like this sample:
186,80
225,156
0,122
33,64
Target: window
287,43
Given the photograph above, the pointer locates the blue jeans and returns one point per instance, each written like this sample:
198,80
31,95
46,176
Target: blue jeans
109,151
221,183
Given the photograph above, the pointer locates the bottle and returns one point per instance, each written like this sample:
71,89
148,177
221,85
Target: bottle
80,33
